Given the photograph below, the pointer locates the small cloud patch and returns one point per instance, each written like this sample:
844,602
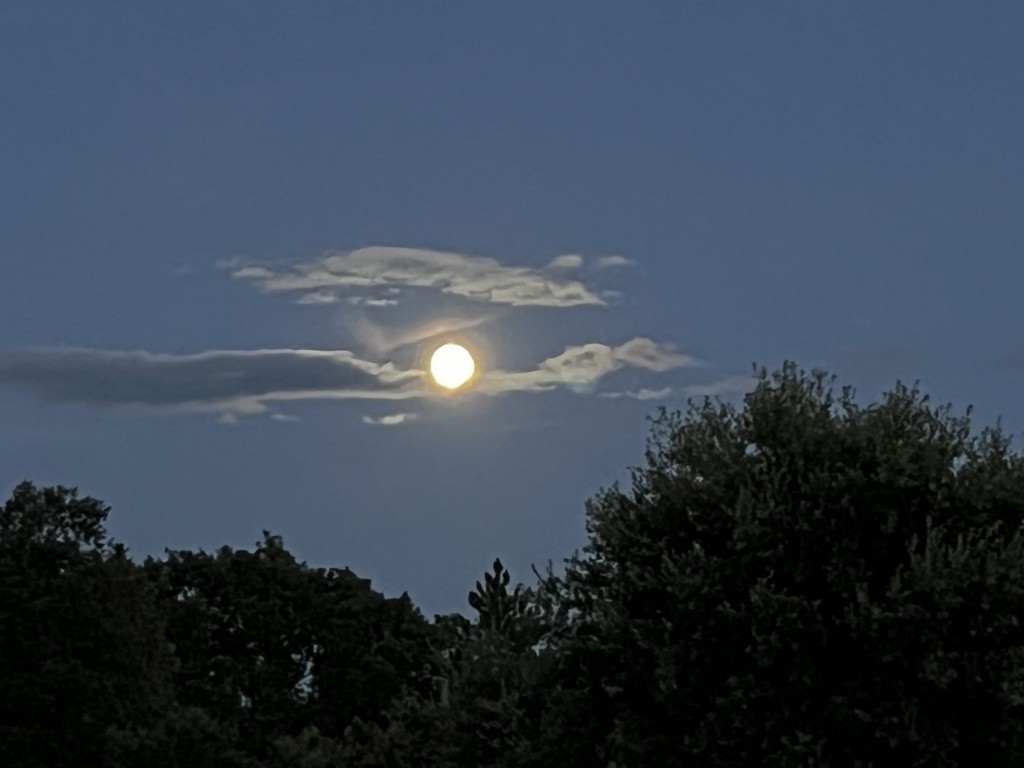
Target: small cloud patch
641,394
566,261
609,262
390,420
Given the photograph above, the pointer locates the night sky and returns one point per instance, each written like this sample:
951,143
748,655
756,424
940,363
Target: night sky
230,234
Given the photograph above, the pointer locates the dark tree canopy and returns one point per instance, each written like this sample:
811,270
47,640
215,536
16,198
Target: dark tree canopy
274,649
236,658
802,581
82,649
799,581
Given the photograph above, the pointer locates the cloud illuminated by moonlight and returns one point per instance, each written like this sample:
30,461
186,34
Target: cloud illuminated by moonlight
479,278
236,383
233,384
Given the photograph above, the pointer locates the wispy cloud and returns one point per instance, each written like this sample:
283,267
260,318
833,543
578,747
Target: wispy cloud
644,353
478,278
390,420
234,384
641,394
365,301
327,297
230,382
381,339
566,261
318,297
607,262
583,365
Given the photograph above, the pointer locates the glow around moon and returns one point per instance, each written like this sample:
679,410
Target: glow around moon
451,366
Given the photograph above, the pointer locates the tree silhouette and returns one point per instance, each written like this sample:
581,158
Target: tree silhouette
272,648
82,650
510,615
800,582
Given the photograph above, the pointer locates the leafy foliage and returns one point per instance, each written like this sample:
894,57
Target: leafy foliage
278,650
798,582
804,582
484,675
78,632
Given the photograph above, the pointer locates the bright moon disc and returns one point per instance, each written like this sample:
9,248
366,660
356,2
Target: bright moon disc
451,365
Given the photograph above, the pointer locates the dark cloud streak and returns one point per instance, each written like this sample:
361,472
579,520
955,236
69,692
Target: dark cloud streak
207,378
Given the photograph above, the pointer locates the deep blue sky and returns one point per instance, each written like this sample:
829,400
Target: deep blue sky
841,184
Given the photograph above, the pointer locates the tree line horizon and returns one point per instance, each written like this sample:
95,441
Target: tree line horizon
798,581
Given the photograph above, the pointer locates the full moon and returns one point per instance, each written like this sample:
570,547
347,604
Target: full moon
451,366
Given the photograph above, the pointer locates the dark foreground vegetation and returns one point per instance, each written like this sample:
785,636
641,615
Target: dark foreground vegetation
800,582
